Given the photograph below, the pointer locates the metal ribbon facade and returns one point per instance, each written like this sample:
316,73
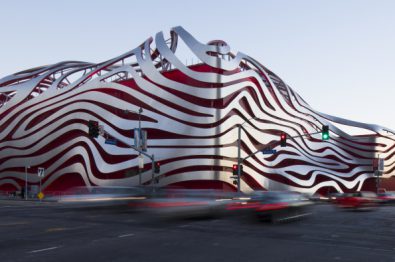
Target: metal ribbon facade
190,113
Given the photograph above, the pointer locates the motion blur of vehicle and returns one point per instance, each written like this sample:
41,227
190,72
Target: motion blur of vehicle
317,198
186,203
386,197
275,206
98,196
332,197
357,200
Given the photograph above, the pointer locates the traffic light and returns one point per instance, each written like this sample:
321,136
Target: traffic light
283,139
235,169
93,128
325,132
156,167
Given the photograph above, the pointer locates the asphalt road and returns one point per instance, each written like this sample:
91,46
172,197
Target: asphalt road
33,231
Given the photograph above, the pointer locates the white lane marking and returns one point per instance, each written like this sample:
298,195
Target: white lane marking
100,239
44,249
126,235
17,223
337,245
183,226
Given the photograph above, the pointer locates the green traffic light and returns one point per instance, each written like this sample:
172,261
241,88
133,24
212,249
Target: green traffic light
325,132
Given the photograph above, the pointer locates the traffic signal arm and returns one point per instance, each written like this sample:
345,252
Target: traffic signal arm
276,142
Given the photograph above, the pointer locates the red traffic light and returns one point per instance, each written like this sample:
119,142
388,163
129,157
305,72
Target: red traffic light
235,169
157,167
283,139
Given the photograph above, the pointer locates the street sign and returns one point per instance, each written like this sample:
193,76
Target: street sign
101,130
41,172
144,140
234,177
269,151
378,164
110,141
381,164
40,195
137,138
141,161
375,164
378,173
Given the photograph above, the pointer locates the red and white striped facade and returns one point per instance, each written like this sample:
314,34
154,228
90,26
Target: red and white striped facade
190,113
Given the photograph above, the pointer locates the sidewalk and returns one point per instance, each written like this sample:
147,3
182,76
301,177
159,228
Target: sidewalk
5,199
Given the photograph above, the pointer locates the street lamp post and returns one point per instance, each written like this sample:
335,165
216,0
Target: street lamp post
26,167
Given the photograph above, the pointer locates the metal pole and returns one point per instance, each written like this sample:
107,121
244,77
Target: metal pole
153,172
140,111
378,174
238,158
40,186
140,142
139,146
25,182
139,170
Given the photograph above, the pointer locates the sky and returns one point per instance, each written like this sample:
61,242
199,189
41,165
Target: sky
339,55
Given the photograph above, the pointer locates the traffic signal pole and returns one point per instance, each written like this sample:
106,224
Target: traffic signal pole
238,158
140,136
26,167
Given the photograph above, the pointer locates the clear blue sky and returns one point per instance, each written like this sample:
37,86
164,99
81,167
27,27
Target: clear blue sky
339,55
